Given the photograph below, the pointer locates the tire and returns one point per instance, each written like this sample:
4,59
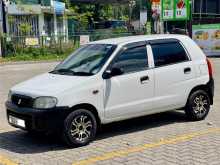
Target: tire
198,105
79,128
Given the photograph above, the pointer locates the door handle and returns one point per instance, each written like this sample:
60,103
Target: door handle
187,70
144,79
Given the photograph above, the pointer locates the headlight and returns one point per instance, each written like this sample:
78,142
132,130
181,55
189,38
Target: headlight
9,96
45,102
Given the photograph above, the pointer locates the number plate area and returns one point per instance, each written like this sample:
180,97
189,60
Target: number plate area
16,121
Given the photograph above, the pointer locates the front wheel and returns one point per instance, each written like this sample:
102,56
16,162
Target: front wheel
198,105
79,128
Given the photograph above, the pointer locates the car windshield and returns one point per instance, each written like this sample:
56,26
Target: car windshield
85,61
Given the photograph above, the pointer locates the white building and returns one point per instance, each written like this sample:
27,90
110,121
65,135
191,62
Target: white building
36,19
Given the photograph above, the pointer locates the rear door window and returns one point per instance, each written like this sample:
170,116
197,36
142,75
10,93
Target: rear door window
168,53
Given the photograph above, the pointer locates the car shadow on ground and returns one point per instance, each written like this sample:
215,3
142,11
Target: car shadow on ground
23,143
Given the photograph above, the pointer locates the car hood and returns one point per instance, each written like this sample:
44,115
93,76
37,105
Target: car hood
48,84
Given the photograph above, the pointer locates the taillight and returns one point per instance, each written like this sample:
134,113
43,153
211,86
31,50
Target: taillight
210,68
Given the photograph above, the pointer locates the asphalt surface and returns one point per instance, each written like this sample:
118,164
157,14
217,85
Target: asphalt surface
166,138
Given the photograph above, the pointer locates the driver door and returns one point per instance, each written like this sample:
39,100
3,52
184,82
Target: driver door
130,94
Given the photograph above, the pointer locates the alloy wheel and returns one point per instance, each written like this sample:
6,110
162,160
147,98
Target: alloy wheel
200,105
81,128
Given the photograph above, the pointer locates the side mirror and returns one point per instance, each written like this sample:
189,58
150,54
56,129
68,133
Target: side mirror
111,73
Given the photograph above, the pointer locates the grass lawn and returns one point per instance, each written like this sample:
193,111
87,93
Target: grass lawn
30,57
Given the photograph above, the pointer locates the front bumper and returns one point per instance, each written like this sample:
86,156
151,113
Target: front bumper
49,120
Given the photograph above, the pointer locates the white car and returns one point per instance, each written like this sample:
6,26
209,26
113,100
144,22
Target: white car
113,80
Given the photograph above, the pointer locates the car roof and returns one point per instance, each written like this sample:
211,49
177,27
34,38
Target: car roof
138,38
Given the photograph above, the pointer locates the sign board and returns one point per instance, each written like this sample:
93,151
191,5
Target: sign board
31,41
14,9
173,10
167,9
208,38
84,39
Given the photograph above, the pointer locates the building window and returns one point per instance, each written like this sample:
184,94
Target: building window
206,6
211,6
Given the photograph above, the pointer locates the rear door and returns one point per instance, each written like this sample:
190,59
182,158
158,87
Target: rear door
174,74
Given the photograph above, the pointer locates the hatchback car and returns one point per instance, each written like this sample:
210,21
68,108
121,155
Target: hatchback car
113,80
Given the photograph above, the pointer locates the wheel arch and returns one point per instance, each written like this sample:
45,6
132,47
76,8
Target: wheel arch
88,107
206,89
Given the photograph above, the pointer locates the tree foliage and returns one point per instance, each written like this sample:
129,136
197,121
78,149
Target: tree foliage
87,13
24,28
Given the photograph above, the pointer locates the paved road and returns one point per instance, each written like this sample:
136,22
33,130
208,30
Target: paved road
166,138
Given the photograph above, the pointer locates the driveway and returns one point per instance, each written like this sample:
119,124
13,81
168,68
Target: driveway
166,138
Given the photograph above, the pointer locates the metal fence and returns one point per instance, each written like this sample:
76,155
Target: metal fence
42,45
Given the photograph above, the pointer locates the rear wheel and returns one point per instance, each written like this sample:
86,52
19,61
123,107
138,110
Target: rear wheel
198,105
79,128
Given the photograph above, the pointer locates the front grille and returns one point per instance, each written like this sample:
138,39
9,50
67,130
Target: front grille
22,101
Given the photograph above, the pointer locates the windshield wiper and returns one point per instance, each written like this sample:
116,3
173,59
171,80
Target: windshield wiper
63,71
83,74
71,72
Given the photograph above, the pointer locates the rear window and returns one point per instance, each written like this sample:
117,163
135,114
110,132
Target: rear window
168,53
